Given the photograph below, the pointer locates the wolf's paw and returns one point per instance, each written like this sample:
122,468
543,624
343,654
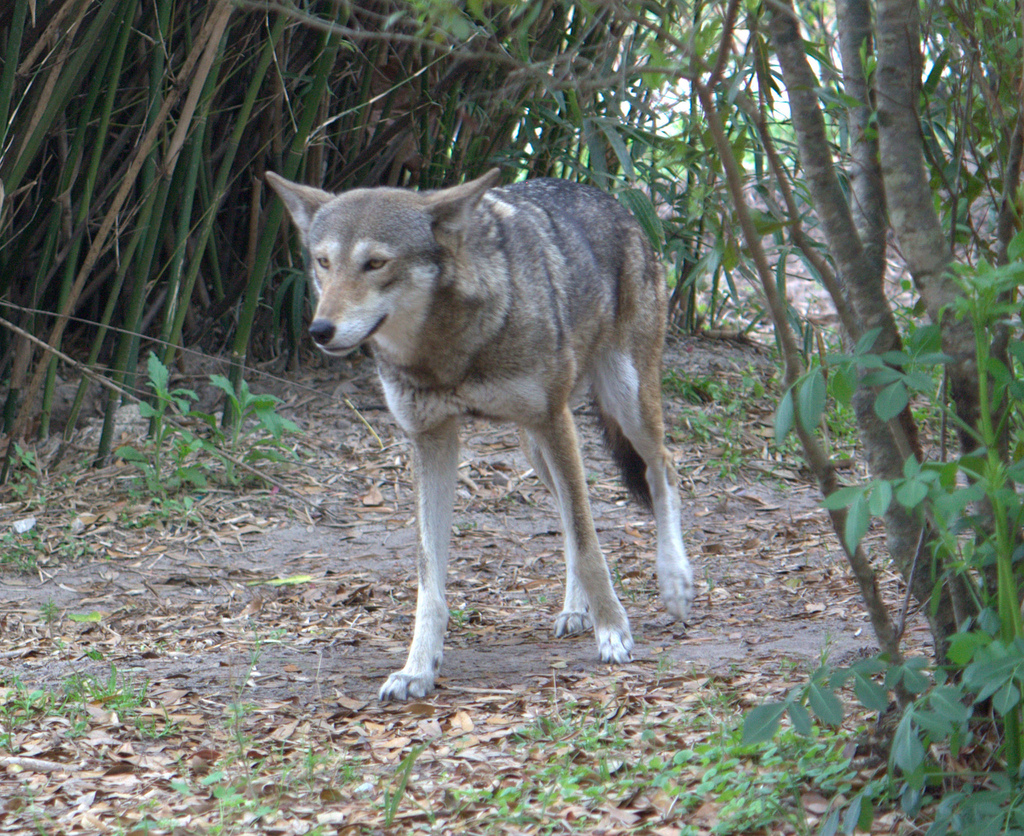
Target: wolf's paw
403,686
614,645
677,589
571,623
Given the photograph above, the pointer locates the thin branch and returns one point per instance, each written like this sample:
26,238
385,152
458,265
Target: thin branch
815,454
728,27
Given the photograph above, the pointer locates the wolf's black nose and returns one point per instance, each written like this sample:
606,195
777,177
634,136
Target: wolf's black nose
322,331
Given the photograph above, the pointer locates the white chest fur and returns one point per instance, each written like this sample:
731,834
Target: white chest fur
522,400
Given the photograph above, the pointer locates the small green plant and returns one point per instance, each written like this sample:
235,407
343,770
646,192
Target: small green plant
159,509
720,412
394,792
178,458
20,706
167,438
695,389
49,612
580,757
967,712
257,423
27,475
21,551
462,616
24,551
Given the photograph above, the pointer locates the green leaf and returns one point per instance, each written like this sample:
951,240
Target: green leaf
262,402
1015,249
208,419
830,825
914,680
880,498
222,383
825,705
947,702
842,383
892,400
871,695
911,493
880,374
225,386
86,617
812,399
949,506
907,749
858,519
275,424
963,646
842,497
867,341
647,216
657,59
1006,699
859,815
158,374
182,398
762,721
618,145
784,418
194,475
800,718
130,454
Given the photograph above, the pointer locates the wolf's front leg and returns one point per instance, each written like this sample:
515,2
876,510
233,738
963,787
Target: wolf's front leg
435,468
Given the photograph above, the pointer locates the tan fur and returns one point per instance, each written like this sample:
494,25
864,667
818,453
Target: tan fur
504,303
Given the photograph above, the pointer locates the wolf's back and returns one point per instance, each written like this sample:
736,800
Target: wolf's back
589,247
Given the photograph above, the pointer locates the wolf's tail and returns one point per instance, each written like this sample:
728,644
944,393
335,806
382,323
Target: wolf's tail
632,467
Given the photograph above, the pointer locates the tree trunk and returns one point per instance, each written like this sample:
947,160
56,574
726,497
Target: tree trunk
856,239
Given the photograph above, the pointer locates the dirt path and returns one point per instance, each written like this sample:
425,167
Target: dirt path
772,583
302,607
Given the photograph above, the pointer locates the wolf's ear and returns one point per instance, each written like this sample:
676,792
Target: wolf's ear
451,209
302,201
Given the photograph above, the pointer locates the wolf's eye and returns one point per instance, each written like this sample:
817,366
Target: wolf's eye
372,264
324,262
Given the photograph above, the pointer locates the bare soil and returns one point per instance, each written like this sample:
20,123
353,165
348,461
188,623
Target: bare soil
299,598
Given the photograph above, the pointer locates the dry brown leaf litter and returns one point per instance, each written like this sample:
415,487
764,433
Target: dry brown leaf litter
257,631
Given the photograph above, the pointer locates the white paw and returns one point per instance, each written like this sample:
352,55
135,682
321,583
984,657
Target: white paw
677,589
571,623
614,645
403,686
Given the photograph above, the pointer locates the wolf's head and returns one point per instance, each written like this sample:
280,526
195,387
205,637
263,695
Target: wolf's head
376,257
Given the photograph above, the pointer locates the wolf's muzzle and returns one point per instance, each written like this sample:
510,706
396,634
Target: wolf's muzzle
322,331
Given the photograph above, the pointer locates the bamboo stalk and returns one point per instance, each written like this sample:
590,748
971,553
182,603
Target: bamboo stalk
327,53
223,174
100,241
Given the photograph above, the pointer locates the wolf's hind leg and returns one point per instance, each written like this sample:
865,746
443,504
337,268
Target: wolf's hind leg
589,596
630,405
536,458
435,470
573,618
